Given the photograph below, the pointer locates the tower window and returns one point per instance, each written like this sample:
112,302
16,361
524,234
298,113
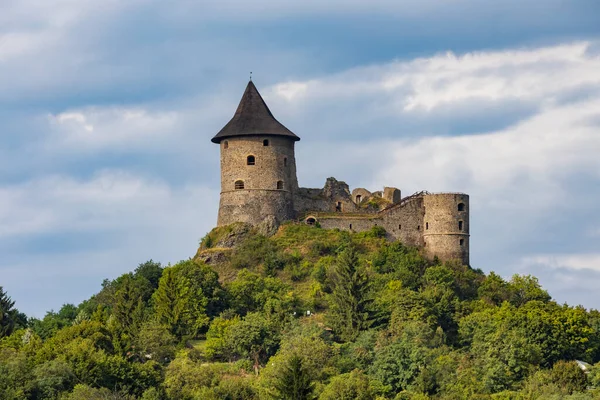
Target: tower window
358,197
266,142
226,144
239,185
279,185
461,206
250,160
460,225
462,242
426,225
338,206
285,161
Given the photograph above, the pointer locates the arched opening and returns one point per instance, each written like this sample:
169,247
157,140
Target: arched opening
239,185
226,144
251,160
460,225
461,242
279,185
266,142
311,221
461,206
338,206
285,161
358,197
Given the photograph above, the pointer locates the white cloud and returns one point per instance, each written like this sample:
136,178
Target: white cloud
112,200
110,127
589,261
537,74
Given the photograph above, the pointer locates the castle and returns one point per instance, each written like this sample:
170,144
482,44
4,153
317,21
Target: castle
259,183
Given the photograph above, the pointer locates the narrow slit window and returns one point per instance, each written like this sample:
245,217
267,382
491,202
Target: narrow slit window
461,206
426,225
239,185
266,142
399,227
279,185
418,227
350,226
285,161
251,160
226,144
460,225
462,242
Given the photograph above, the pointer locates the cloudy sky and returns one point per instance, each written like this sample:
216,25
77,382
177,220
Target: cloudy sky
107,108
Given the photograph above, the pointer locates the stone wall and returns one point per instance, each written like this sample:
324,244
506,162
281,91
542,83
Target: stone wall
404,221
347,222
253,206
260,196
446,232
333,195
427,221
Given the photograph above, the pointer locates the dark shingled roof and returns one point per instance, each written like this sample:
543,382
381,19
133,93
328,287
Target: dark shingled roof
253,117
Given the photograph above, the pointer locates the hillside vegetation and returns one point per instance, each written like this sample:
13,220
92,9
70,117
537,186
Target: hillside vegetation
307,313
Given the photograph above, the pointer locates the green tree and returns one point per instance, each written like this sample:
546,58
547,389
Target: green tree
188,294
524,288
351,386
254,338
10,318
128,311
294,382
349,302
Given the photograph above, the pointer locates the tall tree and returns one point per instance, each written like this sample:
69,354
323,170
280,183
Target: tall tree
188,294
10,318
294,382
349,303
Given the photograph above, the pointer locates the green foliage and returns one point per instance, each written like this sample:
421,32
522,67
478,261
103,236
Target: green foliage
406,328
349,301
250,291
10,318
350,386
294,382
254,338
188,295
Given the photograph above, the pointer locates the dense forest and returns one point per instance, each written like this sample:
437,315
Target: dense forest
306,313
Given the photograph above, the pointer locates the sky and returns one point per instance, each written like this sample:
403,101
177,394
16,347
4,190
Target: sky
107,109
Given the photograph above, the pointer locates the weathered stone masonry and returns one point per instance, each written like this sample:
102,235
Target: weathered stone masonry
258,183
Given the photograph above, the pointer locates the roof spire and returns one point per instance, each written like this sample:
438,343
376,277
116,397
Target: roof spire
253,117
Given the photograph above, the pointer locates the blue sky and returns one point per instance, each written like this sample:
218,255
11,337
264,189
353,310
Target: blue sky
107,109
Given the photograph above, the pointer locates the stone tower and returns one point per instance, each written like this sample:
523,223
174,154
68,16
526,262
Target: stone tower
446,230
258,166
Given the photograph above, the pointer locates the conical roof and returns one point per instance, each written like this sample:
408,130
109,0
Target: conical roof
253,117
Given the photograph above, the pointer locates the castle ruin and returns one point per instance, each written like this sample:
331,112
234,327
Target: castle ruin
258,183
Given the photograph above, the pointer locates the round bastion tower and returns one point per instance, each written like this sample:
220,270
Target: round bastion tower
446,230
258,166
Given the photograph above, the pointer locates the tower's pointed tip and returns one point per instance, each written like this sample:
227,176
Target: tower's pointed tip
253,117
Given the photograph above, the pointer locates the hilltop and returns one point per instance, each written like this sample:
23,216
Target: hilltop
304,312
